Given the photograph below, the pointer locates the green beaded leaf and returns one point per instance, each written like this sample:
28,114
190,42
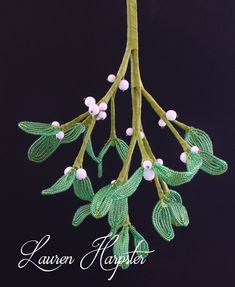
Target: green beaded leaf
62,184
141,245
197,137
161,219
118,213
175,196
102,201
175,178
35,128
212,164
81,214
128,188
101,155
73,134
83,189
90,151
179,215
122,148
42,148
121,248
194,162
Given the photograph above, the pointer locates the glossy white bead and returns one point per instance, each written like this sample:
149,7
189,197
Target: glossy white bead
124,85
55,124
183,157
195,149
103,106
149,174
160,161
113,181
161,123
89,101
68,169
142,135
111,78
81,174
101,116
94,110
147,164
171,115
129,132
60,135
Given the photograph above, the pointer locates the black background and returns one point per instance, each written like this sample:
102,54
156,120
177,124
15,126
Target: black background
55,53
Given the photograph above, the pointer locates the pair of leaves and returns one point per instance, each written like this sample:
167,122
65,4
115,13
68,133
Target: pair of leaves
46,145
168,213
121,148
121,246
83,190
210,163
175,178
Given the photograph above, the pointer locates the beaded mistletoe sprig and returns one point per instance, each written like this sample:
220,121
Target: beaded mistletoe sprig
112,199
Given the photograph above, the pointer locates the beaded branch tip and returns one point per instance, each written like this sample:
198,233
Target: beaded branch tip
112,199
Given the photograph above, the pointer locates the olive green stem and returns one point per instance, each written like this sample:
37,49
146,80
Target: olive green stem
181,125
113,134
72,123
161,113
159,187
79,159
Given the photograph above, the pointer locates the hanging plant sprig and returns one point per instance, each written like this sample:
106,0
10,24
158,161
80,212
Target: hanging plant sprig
112,199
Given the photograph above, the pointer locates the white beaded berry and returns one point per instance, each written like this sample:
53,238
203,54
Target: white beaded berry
103,106
161,123
81,174
55,124
171,115
129,132
89,101
60,135
68,169
149,174
101,116
183,157
195,149
160,161
94,110
142,135
111,78
124,85
147,164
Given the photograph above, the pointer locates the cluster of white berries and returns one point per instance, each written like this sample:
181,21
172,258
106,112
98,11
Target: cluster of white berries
123,85
80,173
171,115
59,135
96,110
183,156
129,133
